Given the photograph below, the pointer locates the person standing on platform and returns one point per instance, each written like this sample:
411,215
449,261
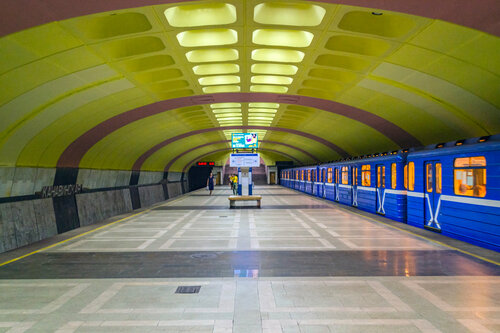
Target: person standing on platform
210,183
235,184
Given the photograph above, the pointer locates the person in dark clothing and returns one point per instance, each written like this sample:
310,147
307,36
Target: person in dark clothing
210,183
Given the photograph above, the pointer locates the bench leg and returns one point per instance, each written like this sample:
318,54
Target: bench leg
231,204
258,203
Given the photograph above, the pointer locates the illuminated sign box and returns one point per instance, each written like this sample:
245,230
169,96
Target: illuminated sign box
244,140
244,160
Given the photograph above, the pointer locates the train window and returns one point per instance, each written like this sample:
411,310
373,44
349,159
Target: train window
394,174
336,175
439,179
365,175
381,176
355,176
308,175
470,176
345,175
428,173
329,175
411,176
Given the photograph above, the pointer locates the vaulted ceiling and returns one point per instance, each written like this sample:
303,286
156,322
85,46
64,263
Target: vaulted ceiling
157,85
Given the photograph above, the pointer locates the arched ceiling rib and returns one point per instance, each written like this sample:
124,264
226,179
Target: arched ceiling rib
127,85
23,14
263,142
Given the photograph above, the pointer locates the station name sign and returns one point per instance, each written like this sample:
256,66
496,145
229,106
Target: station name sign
244,160
61,190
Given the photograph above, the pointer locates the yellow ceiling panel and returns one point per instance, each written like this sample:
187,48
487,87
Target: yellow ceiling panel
46,39
377,23
345,62
146,63
358,45
122,48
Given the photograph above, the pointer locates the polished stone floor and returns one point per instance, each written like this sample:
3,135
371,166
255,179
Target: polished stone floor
299,264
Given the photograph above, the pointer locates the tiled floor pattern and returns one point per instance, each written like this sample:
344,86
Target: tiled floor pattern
197,228
390,304
254,304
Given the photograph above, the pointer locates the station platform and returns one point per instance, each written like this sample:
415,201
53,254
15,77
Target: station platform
298,264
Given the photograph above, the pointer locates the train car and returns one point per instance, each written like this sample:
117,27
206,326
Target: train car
455,189
296,183
378,185
320,181
308,179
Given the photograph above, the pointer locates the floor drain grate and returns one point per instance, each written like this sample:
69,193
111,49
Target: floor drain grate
188,290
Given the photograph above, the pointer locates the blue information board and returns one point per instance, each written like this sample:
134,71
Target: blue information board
244,140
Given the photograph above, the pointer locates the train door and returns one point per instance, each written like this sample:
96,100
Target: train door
355,186
380,187
337,184
323,181
433,189
313,181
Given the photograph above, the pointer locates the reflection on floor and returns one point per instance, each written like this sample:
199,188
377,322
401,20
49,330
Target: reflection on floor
299,264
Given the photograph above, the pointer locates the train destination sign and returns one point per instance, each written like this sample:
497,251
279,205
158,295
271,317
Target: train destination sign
206,163
244,140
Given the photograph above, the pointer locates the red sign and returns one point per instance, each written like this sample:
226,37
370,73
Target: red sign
206,164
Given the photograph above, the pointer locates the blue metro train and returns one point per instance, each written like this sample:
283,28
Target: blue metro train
452,188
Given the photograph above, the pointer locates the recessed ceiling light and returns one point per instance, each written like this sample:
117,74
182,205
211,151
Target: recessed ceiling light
225,105
200,15
225,110
271,89
212,69
277,69
218,80
277,55
270,79
207,37
221,89
272,111
264,105
212,55
288,38
377,13
286,13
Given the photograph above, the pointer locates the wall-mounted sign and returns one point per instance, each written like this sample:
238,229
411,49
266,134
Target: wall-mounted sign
60,190
206,164
244,140
244,160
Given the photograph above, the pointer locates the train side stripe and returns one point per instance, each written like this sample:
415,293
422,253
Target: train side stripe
415,194
472,201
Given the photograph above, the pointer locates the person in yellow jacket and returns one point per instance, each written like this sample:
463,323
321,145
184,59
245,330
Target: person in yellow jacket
235,184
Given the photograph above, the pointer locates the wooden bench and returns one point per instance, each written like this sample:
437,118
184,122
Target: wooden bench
234,198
